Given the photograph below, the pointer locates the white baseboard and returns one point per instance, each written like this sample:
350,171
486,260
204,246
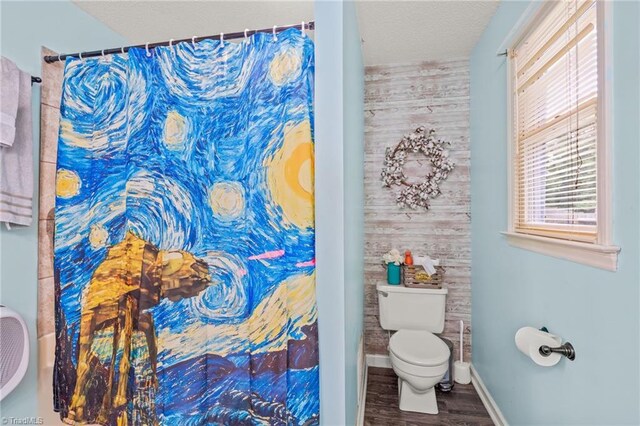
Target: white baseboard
362,366
376,360
370,360
487,399
362,400
362,386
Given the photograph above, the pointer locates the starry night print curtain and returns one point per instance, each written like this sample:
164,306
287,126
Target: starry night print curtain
184,236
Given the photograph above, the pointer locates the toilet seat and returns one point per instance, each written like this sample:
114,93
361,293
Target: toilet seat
419,348
417,372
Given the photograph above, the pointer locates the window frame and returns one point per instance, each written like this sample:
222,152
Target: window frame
601,254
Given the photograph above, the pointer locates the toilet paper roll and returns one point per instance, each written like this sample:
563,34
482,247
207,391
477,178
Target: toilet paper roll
529,340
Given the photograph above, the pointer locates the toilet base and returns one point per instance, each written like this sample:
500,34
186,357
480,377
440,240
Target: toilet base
419,402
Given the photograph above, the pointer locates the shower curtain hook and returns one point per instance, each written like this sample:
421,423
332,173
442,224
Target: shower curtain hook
222,39
80,54
122,50
193,41
146,47
59,59
102,52
275,37
170,42
302,29
245,33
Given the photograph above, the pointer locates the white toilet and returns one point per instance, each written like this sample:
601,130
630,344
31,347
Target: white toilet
418,357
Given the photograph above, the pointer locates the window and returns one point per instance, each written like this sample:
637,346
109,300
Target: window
559,171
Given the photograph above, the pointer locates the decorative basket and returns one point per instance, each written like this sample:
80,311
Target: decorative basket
415,276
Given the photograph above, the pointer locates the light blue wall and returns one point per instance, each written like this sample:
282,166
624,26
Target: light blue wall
26,26
339,135
353,75
598,311
329,191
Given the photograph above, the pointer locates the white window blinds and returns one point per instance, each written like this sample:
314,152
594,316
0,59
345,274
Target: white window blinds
555,93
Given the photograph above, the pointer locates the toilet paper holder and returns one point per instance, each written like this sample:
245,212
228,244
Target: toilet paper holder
565,349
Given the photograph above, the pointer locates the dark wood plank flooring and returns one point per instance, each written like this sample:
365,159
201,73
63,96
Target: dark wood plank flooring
461,406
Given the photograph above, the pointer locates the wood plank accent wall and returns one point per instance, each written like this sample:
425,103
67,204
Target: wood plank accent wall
50,95
398,99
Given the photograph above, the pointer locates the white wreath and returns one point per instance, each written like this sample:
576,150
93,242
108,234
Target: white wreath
415,195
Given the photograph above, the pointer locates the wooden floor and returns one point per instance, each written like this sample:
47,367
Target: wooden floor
461,406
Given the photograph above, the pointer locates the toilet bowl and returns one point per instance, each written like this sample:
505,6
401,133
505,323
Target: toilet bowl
420,359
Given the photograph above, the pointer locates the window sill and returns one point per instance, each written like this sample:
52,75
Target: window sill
598,256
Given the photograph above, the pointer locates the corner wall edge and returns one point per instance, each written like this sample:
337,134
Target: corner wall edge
487,400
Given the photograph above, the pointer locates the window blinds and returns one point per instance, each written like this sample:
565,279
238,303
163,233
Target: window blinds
555,92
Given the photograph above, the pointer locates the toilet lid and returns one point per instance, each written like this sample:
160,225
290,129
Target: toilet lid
419,347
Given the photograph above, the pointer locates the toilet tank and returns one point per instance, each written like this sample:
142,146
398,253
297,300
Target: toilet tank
411,308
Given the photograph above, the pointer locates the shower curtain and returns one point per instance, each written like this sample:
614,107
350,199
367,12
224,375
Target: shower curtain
184,236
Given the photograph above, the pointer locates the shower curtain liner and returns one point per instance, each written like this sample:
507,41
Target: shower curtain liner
184,237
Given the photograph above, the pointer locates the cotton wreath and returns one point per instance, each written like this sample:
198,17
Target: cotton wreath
415,195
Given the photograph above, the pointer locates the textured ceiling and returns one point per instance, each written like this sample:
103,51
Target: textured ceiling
415,31
142,21
393,31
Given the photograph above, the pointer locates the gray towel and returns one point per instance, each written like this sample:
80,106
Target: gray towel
16,154
8,101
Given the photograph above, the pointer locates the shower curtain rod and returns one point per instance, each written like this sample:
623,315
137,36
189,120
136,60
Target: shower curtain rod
276,29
